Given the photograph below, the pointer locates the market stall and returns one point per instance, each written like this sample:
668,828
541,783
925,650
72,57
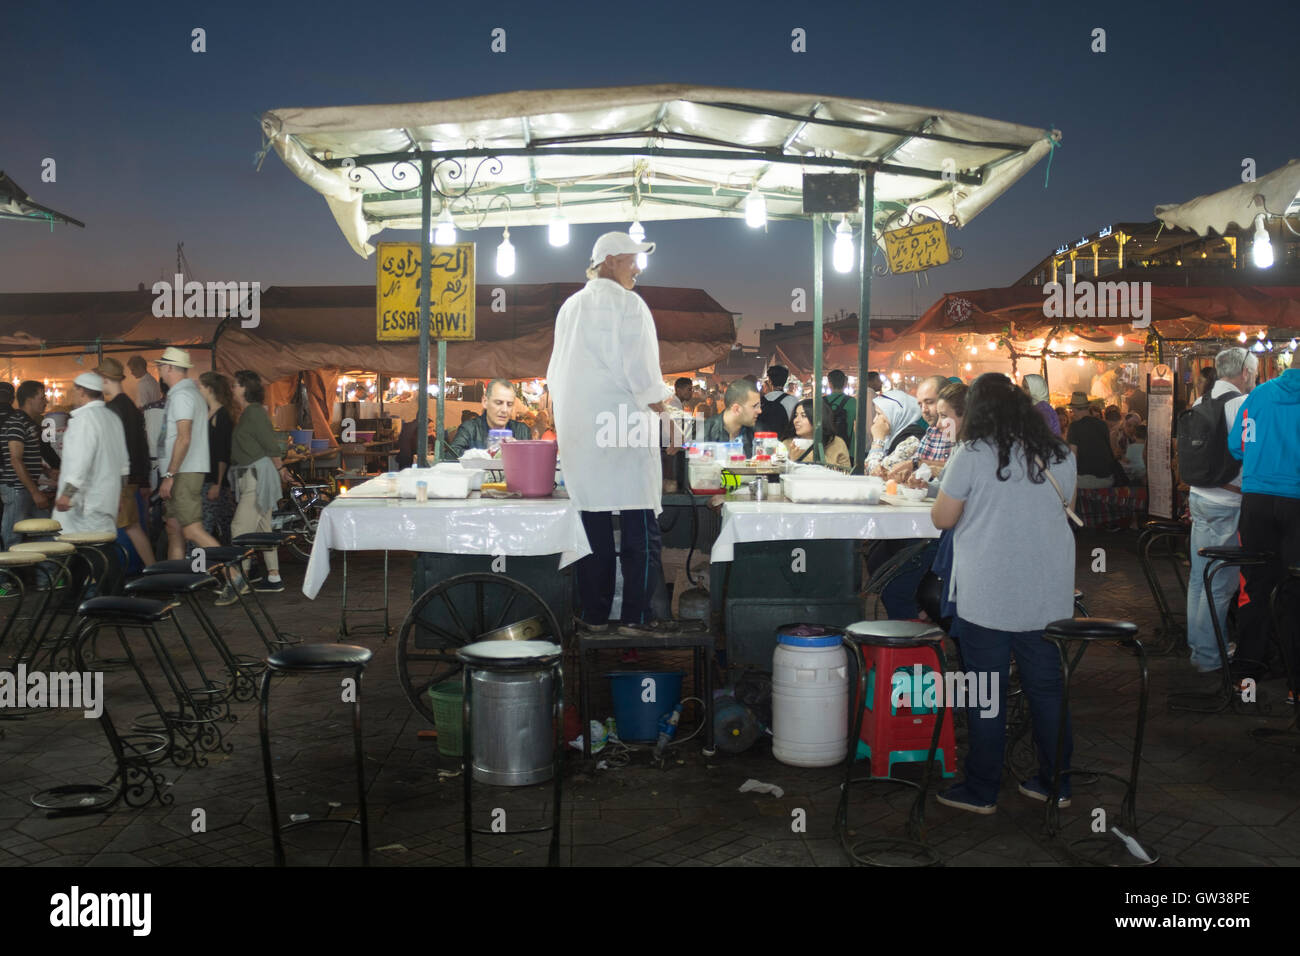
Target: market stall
855,169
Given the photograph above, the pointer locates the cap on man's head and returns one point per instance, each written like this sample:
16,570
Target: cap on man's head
617,244
174,356
89,381
111,368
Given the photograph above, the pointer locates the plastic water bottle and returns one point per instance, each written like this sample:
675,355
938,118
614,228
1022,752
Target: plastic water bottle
495,437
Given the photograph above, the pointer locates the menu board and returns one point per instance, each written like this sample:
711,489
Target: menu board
1160,420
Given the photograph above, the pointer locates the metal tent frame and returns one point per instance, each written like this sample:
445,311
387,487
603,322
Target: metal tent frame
331,149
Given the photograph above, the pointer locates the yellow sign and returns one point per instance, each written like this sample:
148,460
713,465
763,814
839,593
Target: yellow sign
397,288
916,248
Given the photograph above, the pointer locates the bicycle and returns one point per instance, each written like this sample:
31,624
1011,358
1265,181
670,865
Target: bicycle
305,502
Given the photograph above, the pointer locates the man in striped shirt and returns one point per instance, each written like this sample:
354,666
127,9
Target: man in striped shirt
934,449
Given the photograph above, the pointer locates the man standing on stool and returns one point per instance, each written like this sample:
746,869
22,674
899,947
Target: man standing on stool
604,379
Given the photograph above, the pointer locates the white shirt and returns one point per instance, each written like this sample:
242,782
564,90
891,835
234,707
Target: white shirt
603,376
1219,496
184,403
94,462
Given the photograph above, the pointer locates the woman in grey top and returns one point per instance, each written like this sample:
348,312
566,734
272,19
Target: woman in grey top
1013,574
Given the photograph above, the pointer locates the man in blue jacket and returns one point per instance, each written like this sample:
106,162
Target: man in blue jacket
1265,437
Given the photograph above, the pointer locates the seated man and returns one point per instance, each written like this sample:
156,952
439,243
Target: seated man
498,406
743,405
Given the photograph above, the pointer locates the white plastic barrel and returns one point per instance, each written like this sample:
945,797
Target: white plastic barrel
810,697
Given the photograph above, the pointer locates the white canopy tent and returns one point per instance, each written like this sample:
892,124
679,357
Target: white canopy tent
647,153
1276,194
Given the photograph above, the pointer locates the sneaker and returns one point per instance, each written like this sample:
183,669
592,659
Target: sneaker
961,798
658,628
226,597
586,628
265,586
1034,790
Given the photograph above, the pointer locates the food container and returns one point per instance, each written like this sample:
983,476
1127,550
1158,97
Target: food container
841,489
765,443
320,444
530,467
704,475
364,437
496,436
301,436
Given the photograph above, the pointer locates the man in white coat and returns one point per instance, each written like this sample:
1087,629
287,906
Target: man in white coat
608,390
94,461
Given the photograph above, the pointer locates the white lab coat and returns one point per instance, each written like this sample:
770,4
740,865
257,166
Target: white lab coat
94,461
604,373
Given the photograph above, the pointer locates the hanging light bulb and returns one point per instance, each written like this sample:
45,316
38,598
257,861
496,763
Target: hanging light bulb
1258,346
992,345
636,231
756,211
1081,362
1261,249
557,230
1241,337
445,234
505,256
1268,344
842,254
968,366
932,350
1119,340
974,350
1292,345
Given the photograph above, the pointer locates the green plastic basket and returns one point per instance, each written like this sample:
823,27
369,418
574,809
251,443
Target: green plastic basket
447,699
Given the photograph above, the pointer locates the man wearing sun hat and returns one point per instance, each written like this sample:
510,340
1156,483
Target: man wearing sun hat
1089,439
184,460
605,380
94,461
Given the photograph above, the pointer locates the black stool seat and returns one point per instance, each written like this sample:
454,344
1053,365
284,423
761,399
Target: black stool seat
136,610
223,555
1091,629
170,584
318,657
1167,527
262,539
174,566
1234,555
893,633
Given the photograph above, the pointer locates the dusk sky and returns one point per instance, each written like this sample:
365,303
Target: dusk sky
155,144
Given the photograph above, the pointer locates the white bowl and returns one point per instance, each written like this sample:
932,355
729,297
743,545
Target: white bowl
913,494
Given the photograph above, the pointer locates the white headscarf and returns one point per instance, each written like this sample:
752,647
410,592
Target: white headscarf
1036,386
900,408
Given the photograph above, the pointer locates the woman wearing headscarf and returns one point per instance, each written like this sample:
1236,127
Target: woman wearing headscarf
1036,387
896,433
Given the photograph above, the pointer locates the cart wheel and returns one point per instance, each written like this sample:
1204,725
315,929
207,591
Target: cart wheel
452,614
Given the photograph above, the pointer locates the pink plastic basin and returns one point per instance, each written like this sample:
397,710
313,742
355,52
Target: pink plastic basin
530,467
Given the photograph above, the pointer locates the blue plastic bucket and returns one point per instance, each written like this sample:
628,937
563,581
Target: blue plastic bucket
641,698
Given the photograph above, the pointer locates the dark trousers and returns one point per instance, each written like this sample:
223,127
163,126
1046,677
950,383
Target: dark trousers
642,566
984,650
1268,523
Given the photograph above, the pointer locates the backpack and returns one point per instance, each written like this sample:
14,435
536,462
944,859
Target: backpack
1202,434
773,418
839,416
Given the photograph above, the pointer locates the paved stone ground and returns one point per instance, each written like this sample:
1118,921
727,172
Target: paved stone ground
1210,794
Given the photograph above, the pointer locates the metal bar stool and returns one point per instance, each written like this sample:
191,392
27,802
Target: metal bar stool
52,582
343,613
315,659
1098,849
137,782
1227,698
268,541
488,662
215,561
95,551
1177,535
244,669
11,563
214,694
912,849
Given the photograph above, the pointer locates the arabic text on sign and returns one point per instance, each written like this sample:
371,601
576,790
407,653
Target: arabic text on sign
914,248
451,292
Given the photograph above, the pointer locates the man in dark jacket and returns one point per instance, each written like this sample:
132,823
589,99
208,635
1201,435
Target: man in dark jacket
136,490
498,406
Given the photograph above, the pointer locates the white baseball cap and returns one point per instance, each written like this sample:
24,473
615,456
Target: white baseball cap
617,244
90,381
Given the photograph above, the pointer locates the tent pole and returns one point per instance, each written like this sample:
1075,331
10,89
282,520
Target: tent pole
442,395
426,223
819,454
867,198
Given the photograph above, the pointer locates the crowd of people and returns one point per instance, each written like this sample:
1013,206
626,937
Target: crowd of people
201,446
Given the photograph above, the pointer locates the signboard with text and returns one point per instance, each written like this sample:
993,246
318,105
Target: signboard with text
916,248
397,292
1160,419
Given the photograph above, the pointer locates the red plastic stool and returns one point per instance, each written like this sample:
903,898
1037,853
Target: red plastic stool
892,734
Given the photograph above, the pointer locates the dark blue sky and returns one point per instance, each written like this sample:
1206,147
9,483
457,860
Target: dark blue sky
155,144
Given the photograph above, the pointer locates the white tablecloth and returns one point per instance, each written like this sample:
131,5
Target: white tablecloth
515,527
745,522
